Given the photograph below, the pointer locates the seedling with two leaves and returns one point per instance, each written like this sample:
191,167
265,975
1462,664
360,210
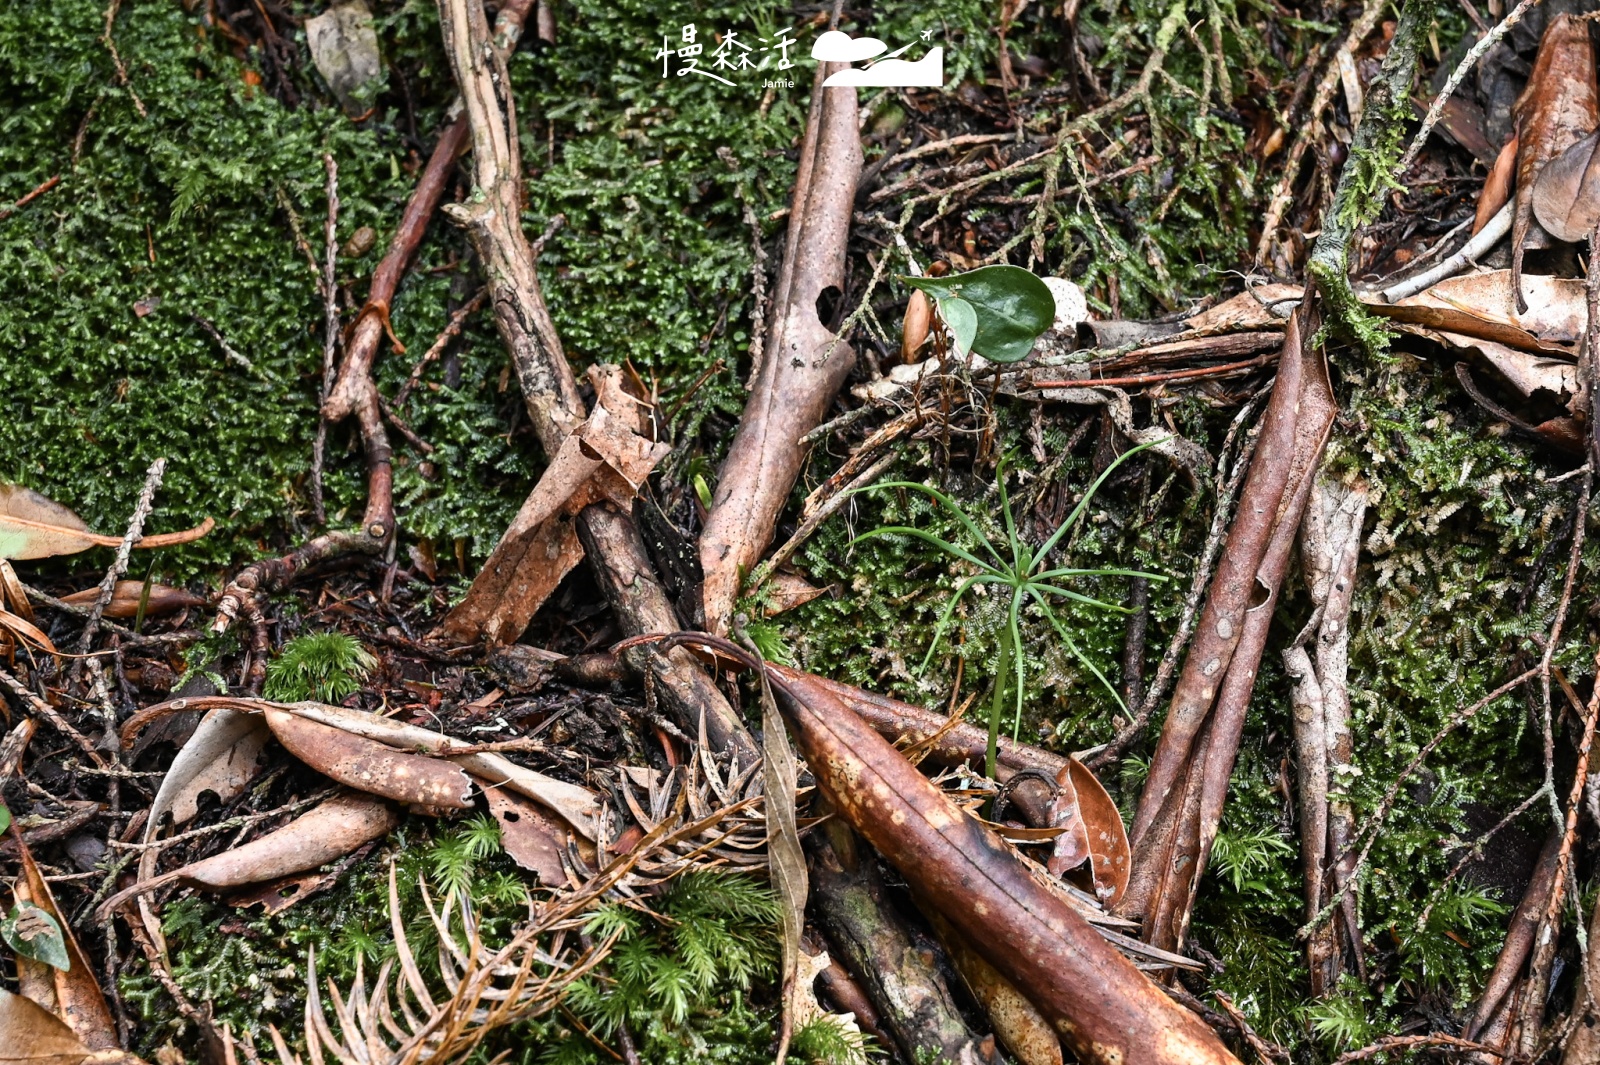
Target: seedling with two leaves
996,311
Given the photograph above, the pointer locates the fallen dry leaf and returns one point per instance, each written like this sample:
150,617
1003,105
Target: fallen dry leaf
605,458
25,631
1484,305
221,757
164,599
72,994
32,526
29,1035
577,806
1497,186
1071,847
530,836
914,328
13,596
786,591
315,838
1566,197
370,766
1110,856
1560,105
1261,307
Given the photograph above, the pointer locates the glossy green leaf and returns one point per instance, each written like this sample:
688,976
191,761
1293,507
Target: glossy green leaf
5,817
1013,307
33,933
962,320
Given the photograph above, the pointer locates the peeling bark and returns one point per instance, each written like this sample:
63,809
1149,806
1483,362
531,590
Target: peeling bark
803,363
1181,805
1330,546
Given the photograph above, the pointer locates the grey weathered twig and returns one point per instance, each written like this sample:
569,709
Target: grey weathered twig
330,331
1463,68
119,564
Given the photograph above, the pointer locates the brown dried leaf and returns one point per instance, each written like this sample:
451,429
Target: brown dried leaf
324,834
1566,197
279,895
1560,105
372,767
576,805
1553,318
32,526
1110,856
71,994
315,838
1497,186
25,631
1262,307
29,1035
1072,846
164,599
606,458
786,591
531,837
12,594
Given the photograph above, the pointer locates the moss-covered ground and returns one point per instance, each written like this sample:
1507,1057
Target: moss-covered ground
174,204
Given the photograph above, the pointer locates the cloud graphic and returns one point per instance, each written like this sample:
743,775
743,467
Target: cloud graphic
836,46
926,73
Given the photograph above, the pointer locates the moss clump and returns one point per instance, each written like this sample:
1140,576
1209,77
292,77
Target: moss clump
327,666
183,207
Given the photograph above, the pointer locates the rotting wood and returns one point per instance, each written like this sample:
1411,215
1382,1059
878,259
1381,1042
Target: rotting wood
912,998
803,363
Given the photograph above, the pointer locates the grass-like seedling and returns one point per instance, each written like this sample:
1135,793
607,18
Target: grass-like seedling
1023,572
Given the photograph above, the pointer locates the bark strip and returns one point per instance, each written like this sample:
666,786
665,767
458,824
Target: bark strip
803,364
1330,544
1181,805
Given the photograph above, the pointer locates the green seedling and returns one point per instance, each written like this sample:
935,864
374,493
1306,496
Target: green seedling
996,311
1023,572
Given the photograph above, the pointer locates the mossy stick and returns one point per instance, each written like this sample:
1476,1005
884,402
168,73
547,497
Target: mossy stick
1368,175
